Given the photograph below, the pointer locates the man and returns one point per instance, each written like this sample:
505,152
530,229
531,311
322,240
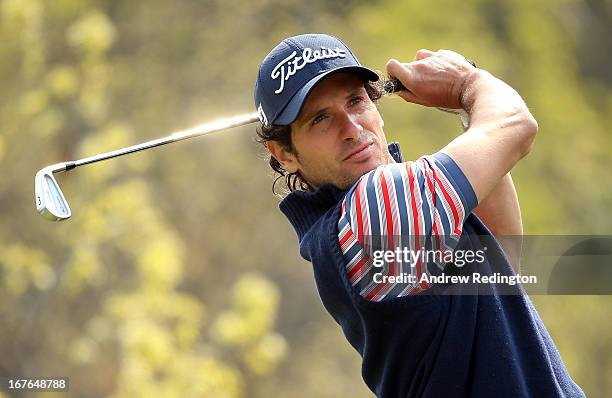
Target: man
353,199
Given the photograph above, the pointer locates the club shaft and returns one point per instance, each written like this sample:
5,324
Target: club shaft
196,131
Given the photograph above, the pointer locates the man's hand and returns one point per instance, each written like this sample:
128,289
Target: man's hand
434,78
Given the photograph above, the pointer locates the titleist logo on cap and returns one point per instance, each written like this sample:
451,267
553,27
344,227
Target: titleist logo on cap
290,65
262,115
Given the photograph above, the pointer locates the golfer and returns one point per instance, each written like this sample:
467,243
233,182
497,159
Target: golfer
364,218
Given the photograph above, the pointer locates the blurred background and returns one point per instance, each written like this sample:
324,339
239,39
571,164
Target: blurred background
176,275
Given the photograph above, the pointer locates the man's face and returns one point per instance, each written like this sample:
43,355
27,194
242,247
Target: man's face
338,135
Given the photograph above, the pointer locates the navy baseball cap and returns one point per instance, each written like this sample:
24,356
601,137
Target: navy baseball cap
292,69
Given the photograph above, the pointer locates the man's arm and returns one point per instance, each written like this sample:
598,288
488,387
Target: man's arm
501,129
501,132
501,213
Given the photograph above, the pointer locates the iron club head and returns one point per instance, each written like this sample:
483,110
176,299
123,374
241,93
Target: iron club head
50,201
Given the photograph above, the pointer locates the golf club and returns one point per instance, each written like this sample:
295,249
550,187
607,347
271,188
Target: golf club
51,202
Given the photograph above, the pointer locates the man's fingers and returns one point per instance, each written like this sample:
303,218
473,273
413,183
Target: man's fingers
433,78
423,53
410,97
406,74
399,71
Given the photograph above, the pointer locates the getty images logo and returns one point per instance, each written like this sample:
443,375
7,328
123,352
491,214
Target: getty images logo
290,65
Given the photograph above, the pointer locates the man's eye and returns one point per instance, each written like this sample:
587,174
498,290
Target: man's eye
318,119
356,100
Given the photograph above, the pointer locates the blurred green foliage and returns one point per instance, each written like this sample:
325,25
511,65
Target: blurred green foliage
176,275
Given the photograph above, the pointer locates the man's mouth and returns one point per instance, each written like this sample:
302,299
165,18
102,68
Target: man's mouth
362,152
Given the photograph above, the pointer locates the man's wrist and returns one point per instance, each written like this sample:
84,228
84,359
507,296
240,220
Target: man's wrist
471,87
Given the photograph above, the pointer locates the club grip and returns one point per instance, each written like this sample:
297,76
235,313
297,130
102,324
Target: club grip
393,85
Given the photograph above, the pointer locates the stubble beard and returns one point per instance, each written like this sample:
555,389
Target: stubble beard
345,181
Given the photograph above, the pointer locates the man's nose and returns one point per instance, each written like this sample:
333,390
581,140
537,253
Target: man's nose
351,128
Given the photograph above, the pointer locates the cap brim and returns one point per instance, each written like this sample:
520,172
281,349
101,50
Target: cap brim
293,108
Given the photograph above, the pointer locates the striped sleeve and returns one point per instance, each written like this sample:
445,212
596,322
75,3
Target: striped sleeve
398,207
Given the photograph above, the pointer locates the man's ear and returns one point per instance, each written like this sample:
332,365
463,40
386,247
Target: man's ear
286,158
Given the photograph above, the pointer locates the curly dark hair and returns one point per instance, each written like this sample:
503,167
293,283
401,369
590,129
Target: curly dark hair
282,134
